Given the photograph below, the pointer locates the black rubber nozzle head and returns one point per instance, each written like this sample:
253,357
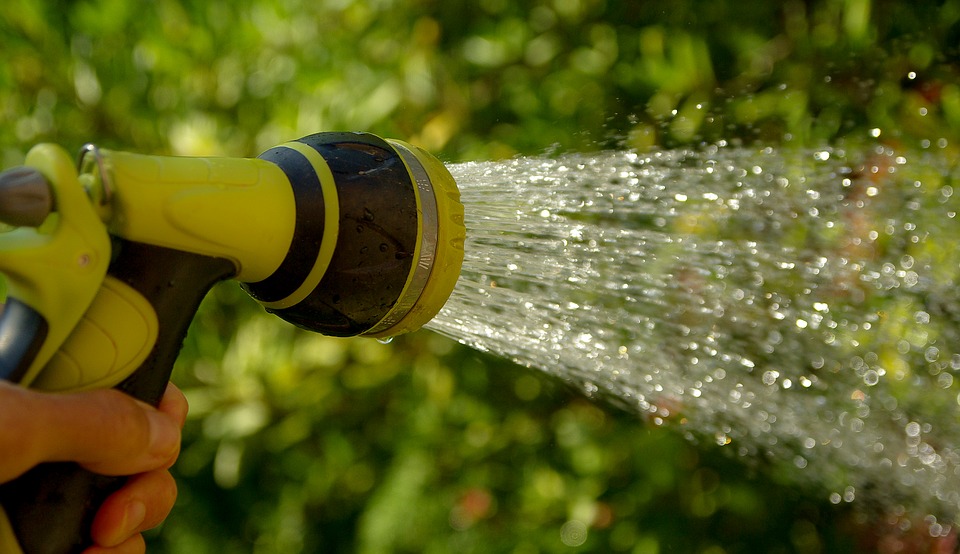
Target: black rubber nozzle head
382,276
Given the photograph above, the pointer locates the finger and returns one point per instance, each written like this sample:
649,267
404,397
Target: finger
174,404
106,431
142,504
133,545
113,434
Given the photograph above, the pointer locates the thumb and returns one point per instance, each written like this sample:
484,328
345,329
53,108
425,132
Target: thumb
105,431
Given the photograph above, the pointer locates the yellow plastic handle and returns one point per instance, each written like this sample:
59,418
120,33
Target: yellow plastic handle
182,204
57,268
8,539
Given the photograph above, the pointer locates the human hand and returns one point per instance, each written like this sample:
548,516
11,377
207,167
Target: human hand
106,432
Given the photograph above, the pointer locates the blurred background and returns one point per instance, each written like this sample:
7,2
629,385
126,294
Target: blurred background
300,443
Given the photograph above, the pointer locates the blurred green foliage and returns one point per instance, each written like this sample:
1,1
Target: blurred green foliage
299,443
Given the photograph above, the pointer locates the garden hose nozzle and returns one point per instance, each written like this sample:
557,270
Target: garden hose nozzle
378,244
106,262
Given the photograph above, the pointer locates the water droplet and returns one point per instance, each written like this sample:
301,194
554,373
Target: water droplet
573,533
871,378
385,340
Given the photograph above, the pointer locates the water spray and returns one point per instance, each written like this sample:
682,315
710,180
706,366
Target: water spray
794,307
344,234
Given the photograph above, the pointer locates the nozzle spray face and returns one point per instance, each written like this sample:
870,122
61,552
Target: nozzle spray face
378,240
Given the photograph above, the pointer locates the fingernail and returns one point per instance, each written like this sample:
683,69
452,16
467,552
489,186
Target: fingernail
133,515
133,518
164,435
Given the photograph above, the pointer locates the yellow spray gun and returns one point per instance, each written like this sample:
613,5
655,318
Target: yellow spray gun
345,234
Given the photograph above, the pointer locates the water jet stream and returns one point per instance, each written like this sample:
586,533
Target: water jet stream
794,306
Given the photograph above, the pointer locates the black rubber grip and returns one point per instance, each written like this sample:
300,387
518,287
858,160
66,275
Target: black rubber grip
51,507
22,332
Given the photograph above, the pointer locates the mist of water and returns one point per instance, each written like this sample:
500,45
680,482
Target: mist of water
797,307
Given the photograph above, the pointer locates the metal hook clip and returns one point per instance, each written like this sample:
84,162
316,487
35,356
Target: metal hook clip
107,189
